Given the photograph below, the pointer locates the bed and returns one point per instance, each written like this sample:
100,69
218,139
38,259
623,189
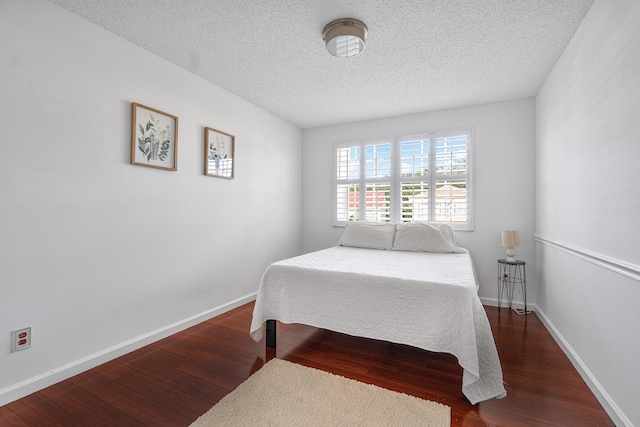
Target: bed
381,283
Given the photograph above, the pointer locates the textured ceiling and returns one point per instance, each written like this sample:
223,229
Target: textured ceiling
420,55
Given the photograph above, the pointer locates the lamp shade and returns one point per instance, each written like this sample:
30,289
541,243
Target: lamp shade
510,239
344,37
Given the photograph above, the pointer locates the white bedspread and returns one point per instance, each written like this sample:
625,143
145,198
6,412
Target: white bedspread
427,300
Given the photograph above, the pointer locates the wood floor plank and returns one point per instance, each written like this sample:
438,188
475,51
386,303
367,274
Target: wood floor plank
38,410
175,380
149,413
202,390
104,388
82,404
8,418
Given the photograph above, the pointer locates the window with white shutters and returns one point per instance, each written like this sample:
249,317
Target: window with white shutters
425,177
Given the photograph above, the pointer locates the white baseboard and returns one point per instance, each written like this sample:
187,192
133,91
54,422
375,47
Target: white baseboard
46,379
596,388
493,302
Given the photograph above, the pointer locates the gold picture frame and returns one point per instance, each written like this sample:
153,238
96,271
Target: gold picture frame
154,138
219,153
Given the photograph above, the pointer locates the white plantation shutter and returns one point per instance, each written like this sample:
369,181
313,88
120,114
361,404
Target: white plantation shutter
414,178
362,181
415,201
347,187
425,177
378,202
348,202
452,196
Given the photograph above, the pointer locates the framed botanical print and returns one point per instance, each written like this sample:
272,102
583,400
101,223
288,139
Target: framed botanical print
219,150
154,138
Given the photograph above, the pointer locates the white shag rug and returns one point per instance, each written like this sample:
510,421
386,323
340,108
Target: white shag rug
286,394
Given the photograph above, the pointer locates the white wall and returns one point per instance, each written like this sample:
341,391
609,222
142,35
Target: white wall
99,256
588,203
504,179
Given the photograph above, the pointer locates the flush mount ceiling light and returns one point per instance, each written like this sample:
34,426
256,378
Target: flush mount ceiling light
344,37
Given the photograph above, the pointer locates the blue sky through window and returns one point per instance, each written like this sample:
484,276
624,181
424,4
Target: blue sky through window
378,160
450,157
414,157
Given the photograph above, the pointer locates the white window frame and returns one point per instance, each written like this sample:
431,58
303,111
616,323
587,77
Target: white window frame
395,177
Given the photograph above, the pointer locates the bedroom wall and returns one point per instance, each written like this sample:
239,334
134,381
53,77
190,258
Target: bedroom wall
504,180
96,255
588,203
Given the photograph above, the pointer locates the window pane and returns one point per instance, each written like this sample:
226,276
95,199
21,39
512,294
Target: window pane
414,158
348,163
451,201
378,160
415,201
348,202
378,202
451,155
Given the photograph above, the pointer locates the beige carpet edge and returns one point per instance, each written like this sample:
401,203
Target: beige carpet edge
283,393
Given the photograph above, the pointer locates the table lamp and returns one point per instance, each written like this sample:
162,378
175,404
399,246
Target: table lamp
511,240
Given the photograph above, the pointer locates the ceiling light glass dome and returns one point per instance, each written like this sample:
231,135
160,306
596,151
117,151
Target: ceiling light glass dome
345,37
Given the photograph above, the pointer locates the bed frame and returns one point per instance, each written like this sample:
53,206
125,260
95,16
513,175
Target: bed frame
270,331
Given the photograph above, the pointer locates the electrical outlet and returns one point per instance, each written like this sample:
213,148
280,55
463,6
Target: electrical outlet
21,339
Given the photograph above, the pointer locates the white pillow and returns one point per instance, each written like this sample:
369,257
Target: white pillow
422,237
448,233
446,230
370,235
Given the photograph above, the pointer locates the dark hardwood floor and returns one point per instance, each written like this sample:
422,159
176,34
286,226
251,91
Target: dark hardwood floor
175,380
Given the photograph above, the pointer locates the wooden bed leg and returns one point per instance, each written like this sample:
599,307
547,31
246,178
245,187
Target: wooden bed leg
271,333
